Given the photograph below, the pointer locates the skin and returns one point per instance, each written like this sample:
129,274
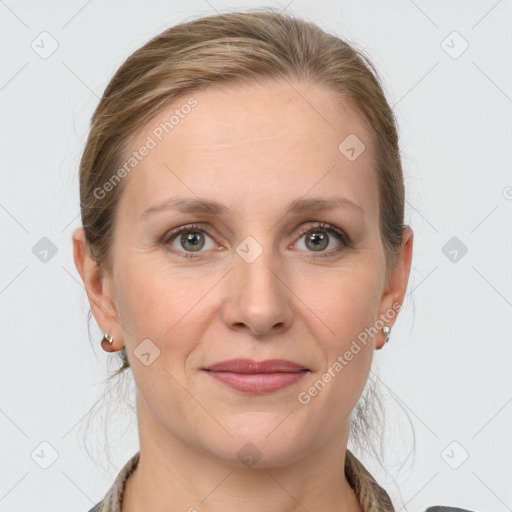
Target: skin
254,149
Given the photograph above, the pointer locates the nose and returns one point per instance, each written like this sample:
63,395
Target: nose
258,298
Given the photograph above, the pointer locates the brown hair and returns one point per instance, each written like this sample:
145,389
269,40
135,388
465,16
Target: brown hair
236,47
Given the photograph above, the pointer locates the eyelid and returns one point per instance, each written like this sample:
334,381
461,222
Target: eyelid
325,226
173,233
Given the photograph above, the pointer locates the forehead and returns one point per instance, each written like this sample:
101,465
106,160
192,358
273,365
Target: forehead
243,143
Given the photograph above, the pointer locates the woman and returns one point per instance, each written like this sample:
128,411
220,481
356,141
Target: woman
243,247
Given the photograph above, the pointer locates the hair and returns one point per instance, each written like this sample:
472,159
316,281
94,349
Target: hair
239,47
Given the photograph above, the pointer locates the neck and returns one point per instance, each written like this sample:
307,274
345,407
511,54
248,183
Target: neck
172,475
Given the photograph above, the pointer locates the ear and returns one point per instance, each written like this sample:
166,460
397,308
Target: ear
396,283
98,285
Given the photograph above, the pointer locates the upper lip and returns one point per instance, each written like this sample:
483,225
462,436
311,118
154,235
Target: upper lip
251,366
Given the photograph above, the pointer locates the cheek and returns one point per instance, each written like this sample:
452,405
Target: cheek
143,300
346,312
345,302
164,307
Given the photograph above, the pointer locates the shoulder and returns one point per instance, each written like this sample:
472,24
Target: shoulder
442,508
99,507
105,505
114,497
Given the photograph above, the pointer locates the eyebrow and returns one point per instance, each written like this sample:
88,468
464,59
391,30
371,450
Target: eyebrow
298,206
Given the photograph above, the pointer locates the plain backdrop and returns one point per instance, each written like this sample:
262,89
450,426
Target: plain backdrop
446,373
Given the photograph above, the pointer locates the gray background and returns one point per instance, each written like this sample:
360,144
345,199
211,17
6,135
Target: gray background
447,367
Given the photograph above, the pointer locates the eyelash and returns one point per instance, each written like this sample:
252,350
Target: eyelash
320,226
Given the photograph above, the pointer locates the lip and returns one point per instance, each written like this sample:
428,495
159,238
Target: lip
251,366
257,377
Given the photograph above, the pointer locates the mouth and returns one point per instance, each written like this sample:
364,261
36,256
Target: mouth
251,366
256,377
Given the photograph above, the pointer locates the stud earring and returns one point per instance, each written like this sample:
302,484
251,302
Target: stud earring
387,330
108,338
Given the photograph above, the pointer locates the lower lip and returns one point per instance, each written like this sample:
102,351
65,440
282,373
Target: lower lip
258,382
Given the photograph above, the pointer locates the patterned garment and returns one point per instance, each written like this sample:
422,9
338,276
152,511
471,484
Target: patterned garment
113,499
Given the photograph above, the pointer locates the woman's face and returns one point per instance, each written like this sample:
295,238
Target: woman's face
253,277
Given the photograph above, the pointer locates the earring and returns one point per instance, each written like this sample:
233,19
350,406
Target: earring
387,330
108,338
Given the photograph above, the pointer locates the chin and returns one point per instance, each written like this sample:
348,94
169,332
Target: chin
261,441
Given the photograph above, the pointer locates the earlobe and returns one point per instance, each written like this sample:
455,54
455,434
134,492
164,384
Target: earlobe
96,282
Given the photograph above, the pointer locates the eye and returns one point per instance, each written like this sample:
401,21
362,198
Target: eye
319,236
192,238
188,239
